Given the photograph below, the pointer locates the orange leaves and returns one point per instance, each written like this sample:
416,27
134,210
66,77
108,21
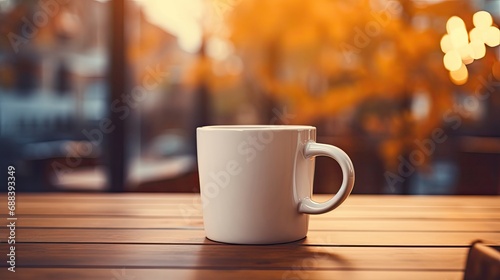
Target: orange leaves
323,57
303,41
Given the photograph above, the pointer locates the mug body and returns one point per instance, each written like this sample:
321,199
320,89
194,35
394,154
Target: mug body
252,178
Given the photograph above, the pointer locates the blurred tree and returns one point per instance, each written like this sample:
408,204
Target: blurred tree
324,57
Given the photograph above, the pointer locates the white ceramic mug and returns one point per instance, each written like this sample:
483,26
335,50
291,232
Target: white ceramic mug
256,181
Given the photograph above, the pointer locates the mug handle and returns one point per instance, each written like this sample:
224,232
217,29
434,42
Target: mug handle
312,149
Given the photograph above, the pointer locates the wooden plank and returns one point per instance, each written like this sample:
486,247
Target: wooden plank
169,207
377,238
175,198
314,223
420,200
193,212
117,222
180,274
403,225
166,200
235,257
344,238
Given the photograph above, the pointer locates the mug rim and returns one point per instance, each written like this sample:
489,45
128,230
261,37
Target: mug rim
255,127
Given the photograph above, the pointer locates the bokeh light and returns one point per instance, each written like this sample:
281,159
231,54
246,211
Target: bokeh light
459,37
459,52
452,60
468,60
475,35
453,23
465,52
482,19
180,18
446,43
478,49
460,76
492,36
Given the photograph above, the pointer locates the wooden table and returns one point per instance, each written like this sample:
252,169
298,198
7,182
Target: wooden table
160,236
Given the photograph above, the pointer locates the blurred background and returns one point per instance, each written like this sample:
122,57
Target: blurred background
409,89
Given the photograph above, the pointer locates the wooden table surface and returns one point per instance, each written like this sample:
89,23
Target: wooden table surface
160,236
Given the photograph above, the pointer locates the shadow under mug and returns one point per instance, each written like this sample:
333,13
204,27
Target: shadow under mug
256,181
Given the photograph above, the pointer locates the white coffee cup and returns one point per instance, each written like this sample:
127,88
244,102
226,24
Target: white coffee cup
256,181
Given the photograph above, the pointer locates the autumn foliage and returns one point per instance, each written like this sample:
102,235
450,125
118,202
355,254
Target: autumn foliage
323,58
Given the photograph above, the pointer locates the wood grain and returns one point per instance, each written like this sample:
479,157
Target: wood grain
176,198
189,236
314,223
235,257
195,211
160,236
198,207
297,273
